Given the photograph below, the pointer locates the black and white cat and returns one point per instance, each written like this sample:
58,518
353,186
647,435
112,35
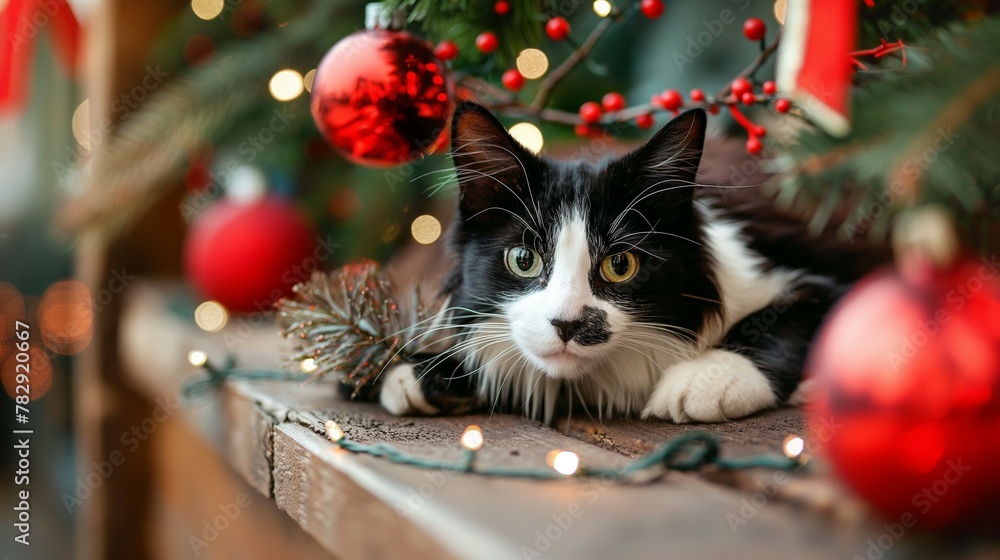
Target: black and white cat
621,286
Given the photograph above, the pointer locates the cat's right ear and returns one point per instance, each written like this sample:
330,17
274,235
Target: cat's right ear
489,164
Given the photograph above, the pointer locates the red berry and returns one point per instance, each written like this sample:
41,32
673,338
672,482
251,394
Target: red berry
581,129
754,146
652,8
782,105
748,98
613,101
557,28
770,87
644,120
446,50
512,80
502,7
713,109
697,95
671,100
487,42
754,29
590,112
741,86
759,131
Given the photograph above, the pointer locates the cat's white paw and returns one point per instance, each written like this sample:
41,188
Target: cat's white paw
718,385
400,393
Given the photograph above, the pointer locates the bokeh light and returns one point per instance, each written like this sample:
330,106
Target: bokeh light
426,229
81,124
793,446
529,136
472,438
564,462
779,10
532,63
307,80
211,316
602,8
308,365
286,85
39,371
66,317
11,309
197,358
207,9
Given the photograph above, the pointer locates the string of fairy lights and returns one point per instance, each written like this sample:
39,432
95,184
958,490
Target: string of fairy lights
688,452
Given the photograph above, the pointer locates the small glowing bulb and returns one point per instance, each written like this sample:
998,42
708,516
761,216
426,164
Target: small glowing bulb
197,358
333,431
528,136
779,10
207,9
307,80
472,438
532,63
425,229
308,365
564,462
211,316
602,7
286,85
794,446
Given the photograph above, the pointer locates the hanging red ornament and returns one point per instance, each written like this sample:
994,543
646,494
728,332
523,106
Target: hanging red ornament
382,97
246,255
907,377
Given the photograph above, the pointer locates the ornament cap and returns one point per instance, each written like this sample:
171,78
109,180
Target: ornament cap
924,238
377,16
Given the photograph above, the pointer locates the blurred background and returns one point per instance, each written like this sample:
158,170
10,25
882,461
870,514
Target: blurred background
132,132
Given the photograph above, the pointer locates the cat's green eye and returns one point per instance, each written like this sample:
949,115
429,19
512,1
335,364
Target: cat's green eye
523,262
619,268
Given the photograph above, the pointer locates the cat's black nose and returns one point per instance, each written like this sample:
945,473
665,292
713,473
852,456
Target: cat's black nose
566,329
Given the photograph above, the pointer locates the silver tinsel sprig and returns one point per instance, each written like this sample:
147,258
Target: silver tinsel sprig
352,324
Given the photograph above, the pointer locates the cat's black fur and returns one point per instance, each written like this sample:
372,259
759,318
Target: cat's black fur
765,305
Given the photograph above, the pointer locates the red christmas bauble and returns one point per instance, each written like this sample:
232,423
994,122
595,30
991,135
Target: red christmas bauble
246,255
381,97
907,375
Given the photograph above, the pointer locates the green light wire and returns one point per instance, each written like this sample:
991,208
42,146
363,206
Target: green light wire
688,452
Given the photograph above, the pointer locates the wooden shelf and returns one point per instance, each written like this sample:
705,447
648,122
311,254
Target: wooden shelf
362,507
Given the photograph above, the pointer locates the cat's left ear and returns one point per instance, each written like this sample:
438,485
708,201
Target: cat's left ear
675,151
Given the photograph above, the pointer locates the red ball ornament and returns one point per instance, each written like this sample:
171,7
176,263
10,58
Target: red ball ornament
741,86
487,42
613,101
644,120
557,28
651,8
907,377
754,146
512,80
754,29
246,255
697,95
382,97
671,100
501,8
782,105
590,112
770,87
446,50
